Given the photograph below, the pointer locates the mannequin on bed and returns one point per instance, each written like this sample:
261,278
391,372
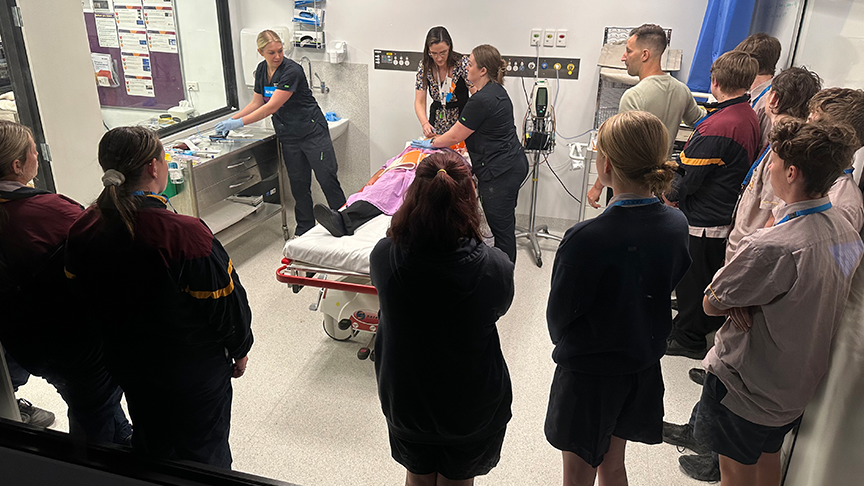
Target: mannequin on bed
381,195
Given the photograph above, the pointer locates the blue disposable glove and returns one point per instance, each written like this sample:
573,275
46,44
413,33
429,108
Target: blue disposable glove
230,124
422,144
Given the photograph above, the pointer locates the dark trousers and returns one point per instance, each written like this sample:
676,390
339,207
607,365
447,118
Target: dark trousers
181,411
692,325
91,394
498,197
301,158
358,214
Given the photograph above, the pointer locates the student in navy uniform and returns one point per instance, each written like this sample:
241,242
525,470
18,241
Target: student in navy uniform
447,404
166,298
281,90
48,341
608,311
486,125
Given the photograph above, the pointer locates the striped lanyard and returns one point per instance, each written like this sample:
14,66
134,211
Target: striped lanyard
756,99
159,197
633,202
755,164
804,212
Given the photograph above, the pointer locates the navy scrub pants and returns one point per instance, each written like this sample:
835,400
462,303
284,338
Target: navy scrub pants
499,196
312,153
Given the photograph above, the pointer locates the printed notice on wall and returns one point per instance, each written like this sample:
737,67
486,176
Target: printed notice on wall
103,66
159,20
157,3
162,41
129,17
134,41
136,64
106,30
139,86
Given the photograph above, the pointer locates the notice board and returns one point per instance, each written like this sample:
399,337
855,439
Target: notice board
136,53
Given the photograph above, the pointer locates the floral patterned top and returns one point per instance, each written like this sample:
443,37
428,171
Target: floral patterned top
444,115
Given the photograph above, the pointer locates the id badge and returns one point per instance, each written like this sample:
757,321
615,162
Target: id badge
268,92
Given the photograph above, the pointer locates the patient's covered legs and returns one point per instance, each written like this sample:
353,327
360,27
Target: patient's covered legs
341,223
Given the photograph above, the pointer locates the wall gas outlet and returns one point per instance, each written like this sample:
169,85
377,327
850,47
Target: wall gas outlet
536,37
561,38
549,38
192,86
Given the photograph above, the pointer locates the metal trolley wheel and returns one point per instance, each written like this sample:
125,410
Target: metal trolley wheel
335,331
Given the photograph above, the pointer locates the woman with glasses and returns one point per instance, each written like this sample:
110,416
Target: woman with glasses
444,75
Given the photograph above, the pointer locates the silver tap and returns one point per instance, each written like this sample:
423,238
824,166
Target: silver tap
321,86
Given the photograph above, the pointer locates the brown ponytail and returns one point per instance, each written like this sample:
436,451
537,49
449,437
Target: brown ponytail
440,206
124,153
486,56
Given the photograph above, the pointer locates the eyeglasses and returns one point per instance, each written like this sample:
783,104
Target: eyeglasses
439,54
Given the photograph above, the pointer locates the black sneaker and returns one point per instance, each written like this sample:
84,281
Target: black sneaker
34,416
697,375
682,435
676,349
701,467
329,219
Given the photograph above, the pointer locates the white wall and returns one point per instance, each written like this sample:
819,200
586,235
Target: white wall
59,56
401,25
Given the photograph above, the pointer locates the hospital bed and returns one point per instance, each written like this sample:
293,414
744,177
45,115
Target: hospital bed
346,299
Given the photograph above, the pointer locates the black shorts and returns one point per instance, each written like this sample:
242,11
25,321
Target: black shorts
730,435
455,462
586,410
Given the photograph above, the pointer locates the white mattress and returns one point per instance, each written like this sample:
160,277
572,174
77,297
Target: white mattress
317,246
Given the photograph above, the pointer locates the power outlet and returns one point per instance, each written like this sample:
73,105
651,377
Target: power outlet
549,38
192,86
536,37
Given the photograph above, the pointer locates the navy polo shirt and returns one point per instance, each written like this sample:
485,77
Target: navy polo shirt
494,146
301,110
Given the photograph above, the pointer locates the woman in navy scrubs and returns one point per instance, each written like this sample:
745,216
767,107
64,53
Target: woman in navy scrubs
281,90
486,125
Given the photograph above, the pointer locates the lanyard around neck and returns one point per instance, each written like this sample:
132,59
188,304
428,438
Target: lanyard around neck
633,202
804,212
753,103
849,170
159,197
755,164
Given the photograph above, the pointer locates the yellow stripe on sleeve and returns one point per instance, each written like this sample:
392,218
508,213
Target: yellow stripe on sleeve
715,295
217,294
69,275
700,162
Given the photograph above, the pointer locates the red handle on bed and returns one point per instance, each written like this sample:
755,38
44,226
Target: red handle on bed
320,283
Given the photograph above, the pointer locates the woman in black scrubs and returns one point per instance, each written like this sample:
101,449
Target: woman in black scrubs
442,74
486,125
281,90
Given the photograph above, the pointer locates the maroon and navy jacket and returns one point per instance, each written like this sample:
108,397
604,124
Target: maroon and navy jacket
169,292
715,161
32,238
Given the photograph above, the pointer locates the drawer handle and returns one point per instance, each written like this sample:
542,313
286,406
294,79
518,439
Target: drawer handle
240,164
233,186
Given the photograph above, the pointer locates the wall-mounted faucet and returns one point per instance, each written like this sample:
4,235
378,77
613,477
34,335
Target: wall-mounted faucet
321,86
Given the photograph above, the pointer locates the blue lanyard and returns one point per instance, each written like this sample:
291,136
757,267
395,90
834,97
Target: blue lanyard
849,170
705,118
753,103
805,212
161,197
633,202
755,164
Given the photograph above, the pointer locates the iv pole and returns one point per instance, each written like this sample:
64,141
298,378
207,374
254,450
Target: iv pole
542,126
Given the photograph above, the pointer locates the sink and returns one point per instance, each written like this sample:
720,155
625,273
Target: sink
338,128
